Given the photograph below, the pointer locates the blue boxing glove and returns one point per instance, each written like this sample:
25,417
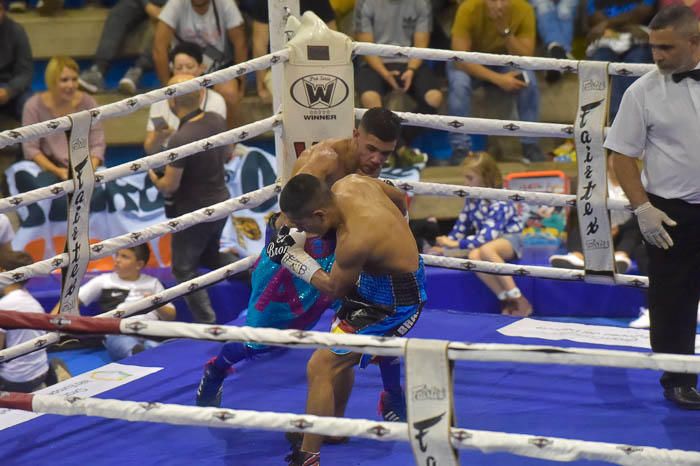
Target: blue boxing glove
280,244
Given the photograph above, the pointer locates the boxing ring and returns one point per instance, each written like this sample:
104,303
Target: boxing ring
510,402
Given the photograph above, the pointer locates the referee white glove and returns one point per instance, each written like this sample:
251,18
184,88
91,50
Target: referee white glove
651,223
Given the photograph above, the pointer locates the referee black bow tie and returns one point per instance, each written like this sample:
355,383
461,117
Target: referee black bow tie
678,77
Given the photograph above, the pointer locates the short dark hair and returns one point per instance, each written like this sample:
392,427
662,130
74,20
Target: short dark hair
10,260
679,17
382,123
142,252
302,195
188,48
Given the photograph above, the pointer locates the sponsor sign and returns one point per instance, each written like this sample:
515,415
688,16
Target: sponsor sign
592,192
429,402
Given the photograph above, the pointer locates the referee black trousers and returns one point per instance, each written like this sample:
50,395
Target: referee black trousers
674,286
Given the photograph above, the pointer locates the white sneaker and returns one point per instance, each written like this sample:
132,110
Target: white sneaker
566,261
643,320
622,262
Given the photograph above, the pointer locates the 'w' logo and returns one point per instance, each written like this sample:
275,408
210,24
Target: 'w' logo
319,94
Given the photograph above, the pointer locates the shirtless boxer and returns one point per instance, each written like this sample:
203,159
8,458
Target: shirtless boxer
378,275
278,299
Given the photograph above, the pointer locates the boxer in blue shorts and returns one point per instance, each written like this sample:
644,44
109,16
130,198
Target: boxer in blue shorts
275,304
377,273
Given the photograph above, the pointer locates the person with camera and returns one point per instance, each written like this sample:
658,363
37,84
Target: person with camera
493,26
185,58
189,184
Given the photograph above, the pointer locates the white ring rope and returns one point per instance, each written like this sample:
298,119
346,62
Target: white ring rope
498,194
127,309
488,126
551,448
490,59
537,271
109,246
131,104
156,160
364,344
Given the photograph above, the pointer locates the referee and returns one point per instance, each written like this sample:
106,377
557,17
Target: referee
659,121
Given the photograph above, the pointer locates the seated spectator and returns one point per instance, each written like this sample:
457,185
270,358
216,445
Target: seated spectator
493,26
16,67
627,237
692,4
62,98
32,371
406,23
121,20
185,58
7,234
555,24
217,27
258,12
617,35
489,231
126,284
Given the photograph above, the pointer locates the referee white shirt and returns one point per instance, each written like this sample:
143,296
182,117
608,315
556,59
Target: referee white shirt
659,121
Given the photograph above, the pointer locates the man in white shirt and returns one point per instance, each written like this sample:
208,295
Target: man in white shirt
29,372
185,59
217,27
658,121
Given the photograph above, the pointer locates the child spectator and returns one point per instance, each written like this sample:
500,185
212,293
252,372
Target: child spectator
489,231
31,371
126,284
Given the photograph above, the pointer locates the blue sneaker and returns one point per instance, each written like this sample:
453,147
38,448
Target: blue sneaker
392,407
211,386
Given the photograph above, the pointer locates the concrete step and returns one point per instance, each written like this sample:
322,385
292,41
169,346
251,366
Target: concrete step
75,33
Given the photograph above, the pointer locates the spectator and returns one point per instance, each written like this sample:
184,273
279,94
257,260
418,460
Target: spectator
32,371
493,26
258,12
126,284
616,34
555,24
121,20
16,66
488,231
63,97
190,184
692,4
7,234
185,58
404,23
627,238
217,27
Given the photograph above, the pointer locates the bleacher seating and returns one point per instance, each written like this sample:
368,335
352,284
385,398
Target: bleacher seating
76,33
